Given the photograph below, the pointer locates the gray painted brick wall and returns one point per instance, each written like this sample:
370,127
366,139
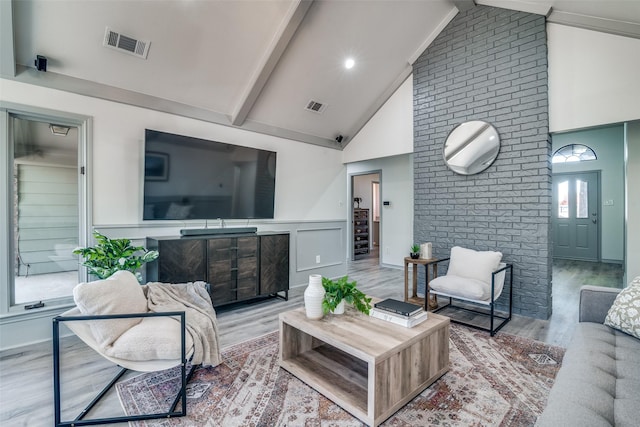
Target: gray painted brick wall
488,64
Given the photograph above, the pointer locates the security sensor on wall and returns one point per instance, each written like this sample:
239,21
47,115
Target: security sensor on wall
40,63
339,139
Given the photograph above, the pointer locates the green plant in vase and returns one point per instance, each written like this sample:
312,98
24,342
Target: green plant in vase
111,255
415,251
340,290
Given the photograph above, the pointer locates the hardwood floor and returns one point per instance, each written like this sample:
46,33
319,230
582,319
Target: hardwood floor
26,396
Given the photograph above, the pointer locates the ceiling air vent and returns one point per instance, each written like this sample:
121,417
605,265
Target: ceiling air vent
126,44
316,107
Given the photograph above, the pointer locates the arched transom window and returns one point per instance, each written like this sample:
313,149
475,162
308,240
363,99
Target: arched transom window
573,153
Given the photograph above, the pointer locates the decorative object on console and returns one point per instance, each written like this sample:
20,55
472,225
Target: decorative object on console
415,251
471,147
111,255
341,290
357,200
426,250
313,297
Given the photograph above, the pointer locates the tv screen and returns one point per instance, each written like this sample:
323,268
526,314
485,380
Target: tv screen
191,178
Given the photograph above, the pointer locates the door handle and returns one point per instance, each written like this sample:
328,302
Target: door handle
595,221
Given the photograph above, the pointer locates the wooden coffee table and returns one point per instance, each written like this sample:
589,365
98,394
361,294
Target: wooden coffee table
369,367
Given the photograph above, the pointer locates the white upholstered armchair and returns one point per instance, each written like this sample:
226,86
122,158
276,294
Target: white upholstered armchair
141,328
476,277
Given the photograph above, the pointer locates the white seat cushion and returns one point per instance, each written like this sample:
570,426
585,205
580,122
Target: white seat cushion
143,342
119,294
462,287
83,331
472,264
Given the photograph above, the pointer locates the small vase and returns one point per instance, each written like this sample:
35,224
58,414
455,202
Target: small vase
339,308
313,296
426,250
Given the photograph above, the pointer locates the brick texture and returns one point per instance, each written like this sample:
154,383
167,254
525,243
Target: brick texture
488,64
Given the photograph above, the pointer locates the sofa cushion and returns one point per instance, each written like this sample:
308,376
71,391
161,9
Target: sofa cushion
472,264
599,380
624,314
119,294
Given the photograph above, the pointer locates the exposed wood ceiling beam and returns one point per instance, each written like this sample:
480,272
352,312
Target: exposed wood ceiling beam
441,26
539,8
279,43
619,28
400,79
110,93
464,5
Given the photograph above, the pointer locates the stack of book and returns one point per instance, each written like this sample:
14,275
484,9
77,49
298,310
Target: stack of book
399,312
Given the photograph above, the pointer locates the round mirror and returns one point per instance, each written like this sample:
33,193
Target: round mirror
471,147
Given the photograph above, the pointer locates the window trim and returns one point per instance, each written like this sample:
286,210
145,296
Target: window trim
559,155
84,124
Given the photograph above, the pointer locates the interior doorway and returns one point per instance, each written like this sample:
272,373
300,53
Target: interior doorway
366,218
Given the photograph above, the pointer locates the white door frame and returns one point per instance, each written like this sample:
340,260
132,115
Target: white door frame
352,207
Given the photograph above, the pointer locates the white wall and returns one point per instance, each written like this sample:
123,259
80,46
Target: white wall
311,194
593,78
309,178
396,220
390,130
385,143
633,200
608,144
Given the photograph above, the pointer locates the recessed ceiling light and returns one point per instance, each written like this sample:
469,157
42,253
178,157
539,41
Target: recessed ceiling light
349,63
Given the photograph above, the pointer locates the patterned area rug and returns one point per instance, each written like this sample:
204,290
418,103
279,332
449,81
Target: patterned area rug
499,381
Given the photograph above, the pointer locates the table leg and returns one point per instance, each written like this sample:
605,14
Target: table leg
406,281
431,301
415,280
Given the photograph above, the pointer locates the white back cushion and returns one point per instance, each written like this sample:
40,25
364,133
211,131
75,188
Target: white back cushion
472,264
119,294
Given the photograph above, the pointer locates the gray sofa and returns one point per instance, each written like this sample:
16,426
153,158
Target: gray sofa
599,382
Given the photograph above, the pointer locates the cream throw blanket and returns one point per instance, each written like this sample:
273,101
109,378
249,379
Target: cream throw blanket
194,300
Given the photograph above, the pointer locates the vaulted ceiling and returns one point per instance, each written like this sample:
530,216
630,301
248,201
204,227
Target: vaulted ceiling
255,64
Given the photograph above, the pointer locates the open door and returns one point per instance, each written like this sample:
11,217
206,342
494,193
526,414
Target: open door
366,220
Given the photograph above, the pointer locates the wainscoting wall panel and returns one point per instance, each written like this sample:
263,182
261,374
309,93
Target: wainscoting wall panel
319,247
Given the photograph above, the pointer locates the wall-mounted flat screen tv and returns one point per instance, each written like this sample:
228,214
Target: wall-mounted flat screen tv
191,178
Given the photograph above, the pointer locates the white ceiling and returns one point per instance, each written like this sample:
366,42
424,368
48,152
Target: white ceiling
257,63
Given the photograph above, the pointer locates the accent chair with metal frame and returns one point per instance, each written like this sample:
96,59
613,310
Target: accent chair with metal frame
112,318
475,277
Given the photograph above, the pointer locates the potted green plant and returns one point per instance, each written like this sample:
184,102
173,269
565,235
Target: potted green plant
415,251
111,255
340,291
